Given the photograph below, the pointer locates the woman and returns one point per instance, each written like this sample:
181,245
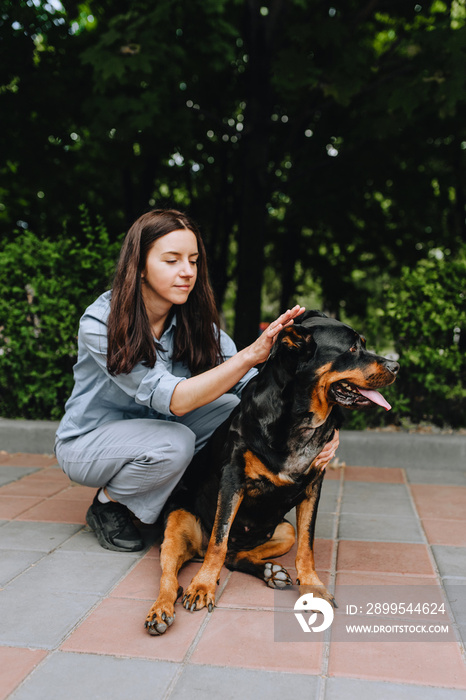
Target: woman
154,378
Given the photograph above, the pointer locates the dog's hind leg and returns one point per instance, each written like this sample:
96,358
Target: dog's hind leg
182,541
259,561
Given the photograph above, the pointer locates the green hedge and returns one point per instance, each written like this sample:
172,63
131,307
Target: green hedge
425,315
45,286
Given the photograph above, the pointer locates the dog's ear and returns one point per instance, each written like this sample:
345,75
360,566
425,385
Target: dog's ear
296,338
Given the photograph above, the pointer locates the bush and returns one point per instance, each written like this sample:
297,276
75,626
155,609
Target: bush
426,313
45,285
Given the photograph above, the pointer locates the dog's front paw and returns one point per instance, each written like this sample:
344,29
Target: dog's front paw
159,619
276,576
319,591
198,597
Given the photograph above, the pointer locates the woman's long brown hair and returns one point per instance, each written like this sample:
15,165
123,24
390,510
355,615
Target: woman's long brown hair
130,340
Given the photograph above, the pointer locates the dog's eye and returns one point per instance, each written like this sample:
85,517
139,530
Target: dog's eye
354,348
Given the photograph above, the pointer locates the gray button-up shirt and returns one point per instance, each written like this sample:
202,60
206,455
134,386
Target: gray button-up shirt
145,392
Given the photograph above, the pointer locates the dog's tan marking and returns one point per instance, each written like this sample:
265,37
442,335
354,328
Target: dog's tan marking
182,541
290,336
255,469
201,591
280,543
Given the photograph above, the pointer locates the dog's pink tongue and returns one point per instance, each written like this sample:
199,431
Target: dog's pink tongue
375,397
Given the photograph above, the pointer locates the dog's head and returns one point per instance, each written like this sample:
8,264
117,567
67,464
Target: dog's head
332,366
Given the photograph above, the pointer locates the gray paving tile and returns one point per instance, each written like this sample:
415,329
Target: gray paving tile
41,620
451,561
375,498
207,682
89,677
34,536
13,563
443,476
379,528
324,524
10,474
75,572
456,594
329,496
349,689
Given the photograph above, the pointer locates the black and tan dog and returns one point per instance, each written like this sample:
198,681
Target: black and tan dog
260,464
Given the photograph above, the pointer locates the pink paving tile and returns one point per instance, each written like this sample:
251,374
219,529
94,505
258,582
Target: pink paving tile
116,628
246,639
22,459
26,486
143,581
323,552
448,502
375,474
12,506
75,492
423,663
57,510
16,664
449,532
51,474
392,557
243,591
333,473
353,578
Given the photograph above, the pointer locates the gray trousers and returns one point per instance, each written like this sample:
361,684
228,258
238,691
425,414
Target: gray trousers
140,461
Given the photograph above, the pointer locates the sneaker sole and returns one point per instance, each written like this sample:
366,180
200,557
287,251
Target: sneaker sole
94,525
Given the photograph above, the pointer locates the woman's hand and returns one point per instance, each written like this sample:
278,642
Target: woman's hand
328,453
261,347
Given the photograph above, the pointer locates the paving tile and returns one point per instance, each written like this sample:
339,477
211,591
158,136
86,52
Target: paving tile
333,473
362,578
449,532
323,554
420,663
349,689
24,459
392,557
448,502
379,528
76,492
252,593
16,664
207,682
374,474
116,628
42,537
451,561
12,506
374,498
57,510
78,676
31,486
329,496
52,474
75,572
456,593
245,638
41,620
324,524
14,563
10,474
442,476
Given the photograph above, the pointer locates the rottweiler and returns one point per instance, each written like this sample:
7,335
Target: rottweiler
230,505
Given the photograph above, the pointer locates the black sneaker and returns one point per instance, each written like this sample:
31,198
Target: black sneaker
113,527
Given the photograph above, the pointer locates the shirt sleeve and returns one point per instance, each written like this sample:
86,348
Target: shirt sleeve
148,386
228,350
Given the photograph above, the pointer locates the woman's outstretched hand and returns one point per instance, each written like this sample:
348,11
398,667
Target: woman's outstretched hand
261,347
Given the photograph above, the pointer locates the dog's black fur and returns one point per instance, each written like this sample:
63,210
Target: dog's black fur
259,465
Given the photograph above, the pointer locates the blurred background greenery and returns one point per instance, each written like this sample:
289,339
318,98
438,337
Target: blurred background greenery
320,145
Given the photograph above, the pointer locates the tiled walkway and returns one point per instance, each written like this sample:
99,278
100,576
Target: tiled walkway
72,614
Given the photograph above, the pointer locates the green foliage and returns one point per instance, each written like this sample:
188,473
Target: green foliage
44,287
426,317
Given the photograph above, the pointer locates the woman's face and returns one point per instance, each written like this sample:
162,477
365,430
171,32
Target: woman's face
171,270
